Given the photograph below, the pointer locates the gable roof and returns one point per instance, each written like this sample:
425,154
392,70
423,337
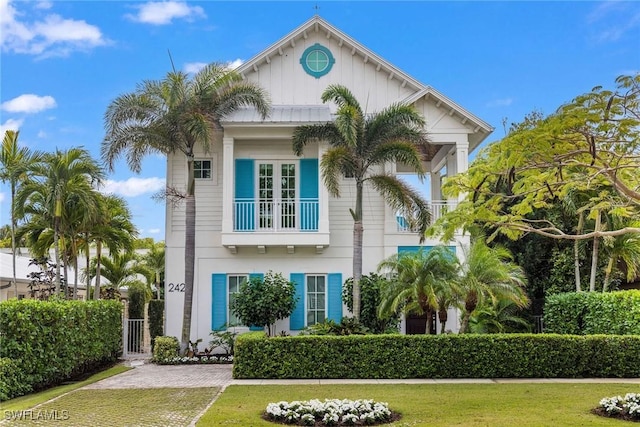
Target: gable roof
481,128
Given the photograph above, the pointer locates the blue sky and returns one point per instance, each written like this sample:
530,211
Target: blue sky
62,62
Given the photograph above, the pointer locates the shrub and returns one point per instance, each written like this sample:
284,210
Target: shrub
156,319
370,299
625,407
585,313
137,297
12,381
436,356
330,412
262,301
348,326
52,341
165,349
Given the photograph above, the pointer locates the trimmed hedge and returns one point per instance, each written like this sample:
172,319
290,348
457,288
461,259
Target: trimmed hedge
166,349
52,341
586,313
156,319
436,356
12,382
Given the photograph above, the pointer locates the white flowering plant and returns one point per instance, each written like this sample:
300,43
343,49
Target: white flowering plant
330,412
626,407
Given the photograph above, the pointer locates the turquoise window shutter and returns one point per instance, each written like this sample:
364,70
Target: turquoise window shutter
309,206
244,211
259,276
334,296
296,320
218,301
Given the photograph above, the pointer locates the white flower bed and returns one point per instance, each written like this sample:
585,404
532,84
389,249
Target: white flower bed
331,412
628,405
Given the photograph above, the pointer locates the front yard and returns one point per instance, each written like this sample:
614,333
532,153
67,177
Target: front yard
435,405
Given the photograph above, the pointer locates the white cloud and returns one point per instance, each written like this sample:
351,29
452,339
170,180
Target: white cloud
235,64
153,231
28,103
133,186
10,124
612,20
44,4
162,13
52,36
2,197
194,67
503,102
42,134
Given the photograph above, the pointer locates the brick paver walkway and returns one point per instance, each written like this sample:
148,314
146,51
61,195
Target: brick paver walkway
150,375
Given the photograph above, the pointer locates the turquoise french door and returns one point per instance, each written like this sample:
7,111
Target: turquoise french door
277,183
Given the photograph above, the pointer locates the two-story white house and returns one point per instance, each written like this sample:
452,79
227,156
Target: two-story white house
261,208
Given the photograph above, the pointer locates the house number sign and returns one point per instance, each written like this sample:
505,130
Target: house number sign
176,287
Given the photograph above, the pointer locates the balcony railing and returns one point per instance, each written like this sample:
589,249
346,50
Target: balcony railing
438,208
285,215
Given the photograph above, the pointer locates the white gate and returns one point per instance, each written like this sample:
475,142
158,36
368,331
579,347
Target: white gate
135,340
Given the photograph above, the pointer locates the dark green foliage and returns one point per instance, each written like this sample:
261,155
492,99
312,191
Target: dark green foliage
156,319
12,381
165,349
52,341
370,286
137,296
224,340
261,302
348,326
437,356
586,313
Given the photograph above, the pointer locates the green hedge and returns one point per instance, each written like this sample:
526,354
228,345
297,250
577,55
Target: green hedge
156,319
436,356
52,341
586,313
12,381
166,349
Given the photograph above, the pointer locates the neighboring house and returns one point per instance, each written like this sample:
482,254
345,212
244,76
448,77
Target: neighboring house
23,269
261,208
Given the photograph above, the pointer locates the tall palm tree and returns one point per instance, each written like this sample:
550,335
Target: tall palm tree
112,227
177,114
121,269
360,146
421,281
488,275
61,179
498,317
16,163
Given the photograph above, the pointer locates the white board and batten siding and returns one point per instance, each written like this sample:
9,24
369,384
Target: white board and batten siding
376,84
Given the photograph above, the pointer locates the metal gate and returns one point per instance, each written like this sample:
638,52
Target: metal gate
134,338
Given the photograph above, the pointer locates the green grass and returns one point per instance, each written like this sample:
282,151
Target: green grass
435,405
173,407
30,400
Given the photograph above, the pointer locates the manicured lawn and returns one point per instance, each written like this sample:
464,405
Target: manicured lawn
435,405
122,407
31,400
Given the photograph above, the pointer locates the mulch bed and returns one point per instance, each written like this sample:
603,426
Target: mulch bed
625,417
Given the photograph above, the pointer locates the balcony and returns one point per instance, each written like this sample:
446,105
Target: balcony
276,222
438,208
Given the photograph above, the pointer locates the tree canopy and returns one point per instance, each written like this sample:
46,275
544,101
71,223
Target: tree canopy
587,154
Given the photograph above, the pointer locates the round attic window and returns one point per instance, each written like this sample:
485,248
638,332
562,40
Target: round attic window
317,60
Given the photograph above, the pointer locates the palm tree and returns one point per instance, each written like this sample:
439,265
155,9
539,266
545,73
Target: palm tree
624,248
16,163
420,282
120,269
153,261
177,114
488,275
360,146
112,227
61,179
498,317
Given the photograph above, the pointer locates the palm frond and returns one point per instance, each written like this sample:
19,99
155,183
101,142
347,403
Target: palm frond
341,96
304,134
397,152
333,164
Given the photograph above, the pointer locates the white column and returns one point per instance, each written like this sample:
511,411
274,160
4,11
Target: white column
228,173
434,178
462,161
323,193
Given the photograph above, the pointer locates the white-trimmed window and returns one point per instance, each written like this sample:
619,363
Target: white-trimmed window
234,281
202,169
316,293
